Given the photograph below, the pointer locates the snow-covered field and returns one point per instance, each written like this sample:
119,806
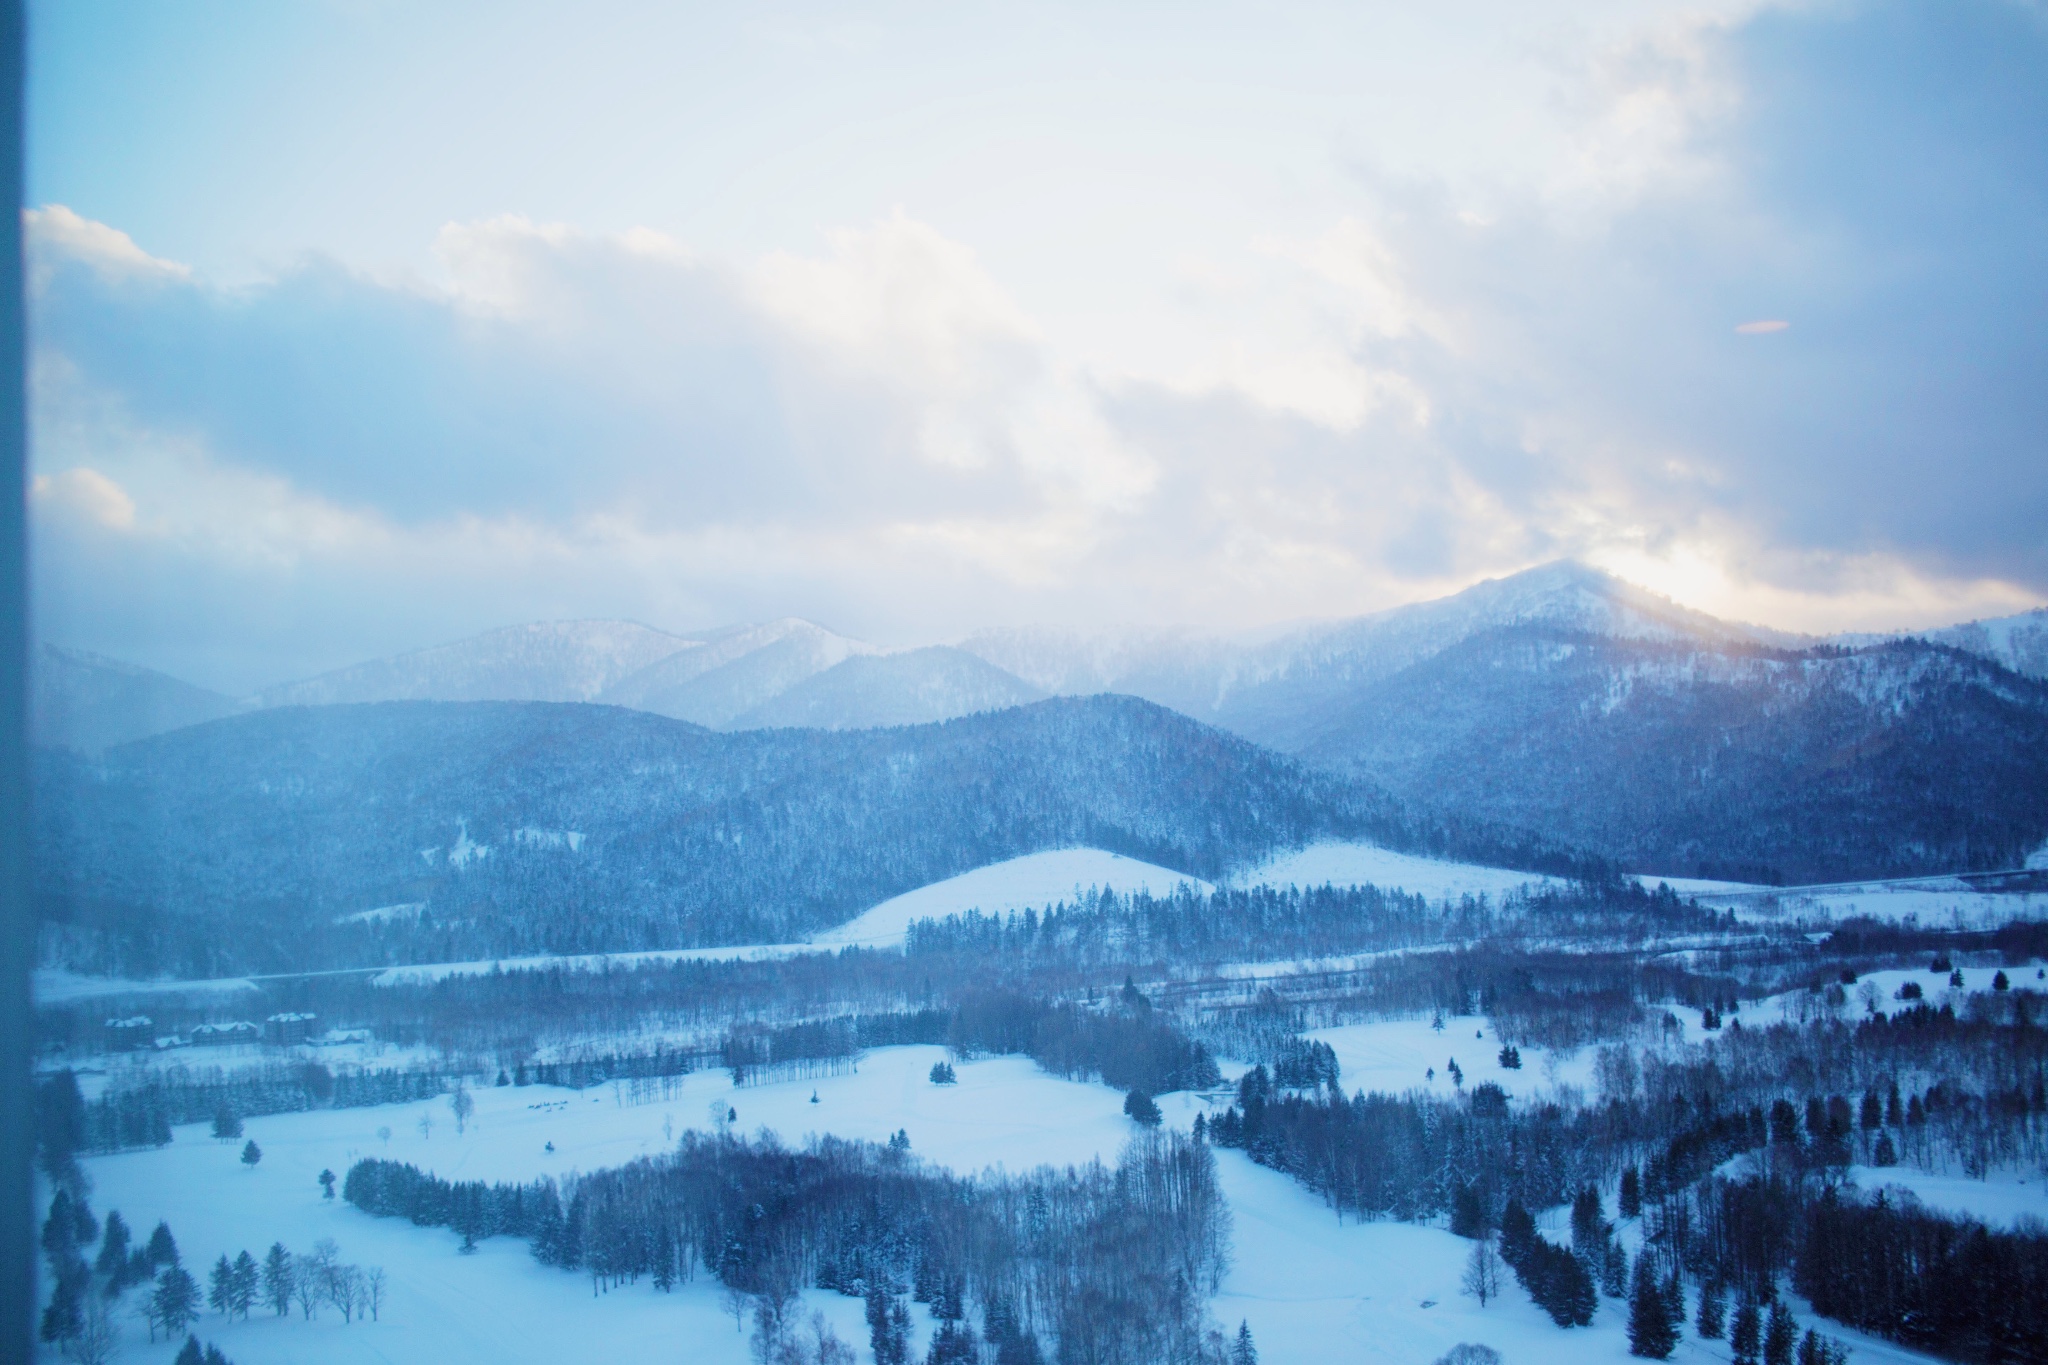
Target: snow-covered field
54,986
1935,902
1878,992
2002,1199
1028,883
1360,864
1396,1055
1313,1289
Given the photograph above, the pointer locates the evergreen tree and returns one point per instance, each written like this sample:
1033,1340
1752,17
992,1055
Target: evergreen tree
1631,1200
1140,1108
227,1124
243,1287
1517,1234
1710,1323
1242,1352
220,1286
64,1316
163,1248
952,1344
1780,1335
113,1257
327,1184
1650,1330
888,1327
1019,1348
1674,1298
251,1154
1614,1270
190,1354
175,1301
664,1259
1589,1229
1747,1337
278,1275
214,1355
1468,1213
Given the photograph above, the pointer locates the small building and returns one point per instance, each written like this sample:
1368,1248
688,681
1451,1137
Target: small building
342,1037
131,1035
222,1035
287,1030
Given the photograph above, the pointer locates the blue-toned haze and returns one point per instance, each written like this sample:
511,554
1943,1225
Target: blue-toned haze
360,326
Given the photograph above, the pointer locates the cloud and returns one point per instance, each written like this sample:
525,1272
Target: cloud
252,482
85,494
57,234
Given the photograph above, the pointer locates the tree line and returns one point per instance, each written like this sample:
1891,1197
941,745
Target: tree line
1097,1264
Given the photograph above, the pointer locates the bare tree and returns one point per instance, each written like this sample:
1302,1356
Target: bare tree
316,1276
426,1125
734,1300
306,1288
98,1337
374,1286
463,1105
1482,1271
346,1291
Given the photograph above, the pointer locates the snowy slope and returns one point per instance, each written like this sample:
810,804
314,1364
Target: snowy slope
2018,642
1028,883
545,661
909,688
1357,864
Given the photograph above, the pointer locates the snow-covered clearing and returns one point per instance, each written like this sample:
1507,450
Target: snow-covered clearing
1879,992
1934,902
1696,886
2000,1200
55,986
1028,883
1360,864
1395,1055
1312,1289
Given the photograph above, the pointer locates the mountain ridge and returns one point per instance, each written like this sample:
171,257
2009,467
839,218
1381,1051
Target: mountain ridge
238,844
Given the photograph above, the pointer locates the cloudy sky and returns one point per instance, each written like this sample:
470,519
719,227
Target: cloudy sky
362,325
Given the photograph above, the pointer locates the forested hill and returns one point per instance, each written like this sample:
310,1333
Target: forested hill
487,829
1714,759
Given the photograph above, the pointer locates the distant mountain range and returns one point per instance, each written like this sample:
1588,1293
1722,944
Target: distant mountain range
89,702
1561,701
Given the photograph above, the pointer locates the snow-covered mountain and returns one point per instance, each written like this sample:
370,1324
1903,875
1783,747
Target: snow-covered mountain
544,661
734,672
1566,701
2020,642
1275,689
909,688
88,703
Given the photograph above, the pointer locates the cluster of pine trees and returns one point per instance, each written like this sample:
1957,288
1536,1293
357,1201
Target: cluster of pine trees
1409,1156
1126,1044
